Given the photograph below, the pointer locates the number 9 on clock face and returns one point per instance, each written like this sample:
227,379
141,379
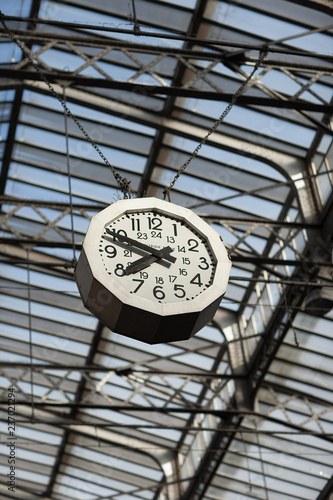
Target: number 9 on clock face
157,257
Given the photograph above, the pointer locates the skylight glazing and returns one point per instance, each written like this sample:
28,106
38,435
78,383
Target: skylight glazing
244,408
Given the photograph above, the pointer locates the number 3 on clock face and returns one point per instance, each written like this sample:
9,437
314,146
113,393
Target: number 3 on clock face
182,270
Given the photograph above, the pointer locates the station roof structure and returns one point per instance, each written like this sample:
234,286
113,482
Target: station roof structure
244,409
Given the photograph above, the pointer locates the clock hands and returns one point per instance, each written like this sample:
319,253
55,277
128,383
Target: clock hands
155,255
142,246
145,261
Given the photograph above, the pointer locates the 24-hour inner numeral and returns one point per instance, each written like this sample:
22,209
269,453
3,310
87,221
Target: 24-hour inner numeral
142,236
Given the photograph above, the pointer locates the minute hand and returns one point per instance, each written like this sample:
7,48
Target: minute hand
139,265
142,246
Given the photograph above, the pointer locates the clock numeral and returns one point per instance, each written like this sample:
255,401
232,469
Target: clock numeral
158,292
172,278
113,233
181,249
196,280
142,236
192,245
156,234
127,253
111,251
204,264
159,279
170,239
186,261
154,223
119,271
141,282
143,275
135,224
182,272
174,229
181,292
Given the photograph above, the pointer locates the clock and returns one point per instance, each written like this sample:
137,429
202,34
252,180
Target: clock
152,270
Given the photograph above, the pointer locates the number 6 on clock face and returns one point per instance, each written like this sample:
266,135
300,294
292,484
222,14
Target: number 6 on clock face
152,267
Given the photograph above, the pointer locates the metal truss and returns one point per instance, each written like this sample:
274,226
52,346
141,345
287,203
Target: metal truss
290,403
13,223
96,49
149,384
226,423
93,390
42,231
151,90
154,63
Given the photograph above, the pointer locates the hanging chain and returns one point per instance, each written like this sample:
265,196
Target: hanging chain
69,176
262,54
122,182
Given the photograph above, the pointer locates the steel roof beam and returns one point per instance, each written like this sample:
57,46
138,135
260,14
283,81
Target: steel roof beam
260,221
7,156
326,493
174,91
216,43
20,259
170,101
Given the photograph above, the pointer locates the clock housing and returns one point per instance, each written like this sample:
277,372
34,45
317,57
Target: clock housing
166,301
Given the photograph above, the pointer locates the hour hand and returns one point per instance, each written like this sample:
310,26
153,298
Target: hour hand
138,244
145,261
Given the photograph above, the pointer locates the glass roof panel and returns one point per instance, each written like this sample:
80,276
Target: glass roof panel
102,415
17,7
269,27
253,120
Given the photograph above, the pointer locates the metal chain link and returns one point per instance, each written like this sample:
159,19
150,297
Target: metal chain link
262,54
122,182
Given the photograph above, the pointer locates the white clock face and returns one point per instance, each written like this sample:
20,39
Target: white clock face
157,257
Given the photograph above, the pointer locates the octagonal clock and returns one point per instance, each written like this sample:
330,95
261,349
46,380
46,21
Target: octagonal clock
152,270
